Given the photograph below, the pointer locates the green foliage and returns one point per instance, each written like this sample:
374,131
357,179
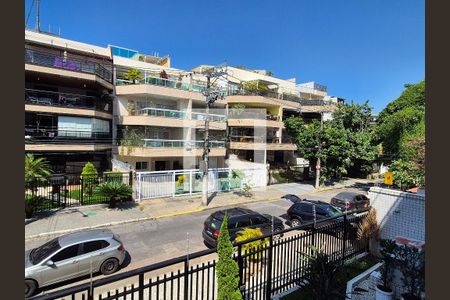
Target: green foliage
31,203
131,137
113,176
406,175
346,141
412,266
252,247
322,274
388,250
247,188
227,267
255,86
133,74
400,118
89,176
36,170
115,191
236,173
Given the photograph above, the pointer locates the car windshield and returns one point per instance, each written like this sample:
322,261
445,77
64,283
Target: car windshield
333,211
39,253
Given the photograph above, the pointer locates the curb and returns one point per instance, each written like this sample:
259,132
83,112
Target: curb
169,215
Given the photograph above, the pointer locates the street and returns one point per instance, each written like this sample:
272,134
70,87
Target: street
153,241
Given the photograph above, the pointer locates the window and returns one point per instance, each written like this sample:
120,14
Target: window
243,222
257,220
305,208
232,223
320,211
66,253
141,165
94,246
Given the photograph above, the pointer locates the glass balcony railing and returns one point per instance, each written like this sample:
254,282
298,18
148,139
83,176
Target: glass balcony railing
174,84
55,135
46,59
177,114
37,97
254,139
159,143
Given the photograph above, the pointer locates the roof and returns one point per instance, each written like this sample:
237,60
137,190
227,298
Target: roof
85,235
232,212
347,194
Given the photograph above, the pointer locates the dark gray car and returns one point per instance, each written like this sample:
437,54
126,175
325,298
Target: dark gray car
72,255
350,201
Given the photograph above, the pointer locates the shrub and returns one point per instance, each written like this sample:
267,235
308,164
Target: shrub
89,176
227,267
114,191
36,170
31,203
180,180
250,233
133,74
113,176
369,230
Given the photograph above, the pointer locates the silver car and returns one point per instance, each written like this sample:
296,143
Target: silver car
72,255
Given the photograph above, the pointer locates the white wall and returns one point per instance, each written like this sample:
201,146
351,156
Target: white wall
399,213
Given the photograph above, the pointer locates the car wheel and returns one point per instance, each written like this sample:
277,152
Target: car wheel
109,266
295,222
30,287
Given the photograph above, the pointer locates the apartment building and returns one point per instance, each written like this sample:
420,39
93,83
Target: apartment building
68,102
160,113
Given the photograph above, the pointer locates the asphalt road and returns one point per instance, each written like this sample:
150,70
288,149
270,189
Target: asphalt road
152,241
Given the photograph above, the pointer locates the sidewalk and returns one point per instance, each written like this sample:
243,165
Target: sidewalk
87,217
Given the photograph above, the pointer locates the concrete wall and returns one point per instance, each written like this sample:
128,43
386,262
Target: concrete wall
399,213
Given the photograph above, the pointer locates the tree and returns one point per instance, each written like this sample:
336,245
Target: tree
406,175
133,74
36,170
114,191
227,267
89,177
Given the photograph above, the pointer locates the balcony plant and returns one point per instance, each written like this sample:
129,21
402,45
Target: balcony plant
388,251
133,75
412,267
114,191
254,86
369,231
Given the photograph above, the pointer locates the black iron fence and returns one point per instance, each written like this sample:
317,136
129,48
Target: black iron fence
273,268
73,190
86,65
48,98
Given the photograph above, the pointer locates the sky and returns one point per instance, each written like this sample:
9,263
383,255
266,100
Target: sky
361,50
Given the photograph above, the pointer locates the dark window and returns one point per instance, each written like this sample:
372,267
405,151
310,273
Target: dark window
320,211
243,222
232,223
141,165
66,253
305,208
257,220
94,246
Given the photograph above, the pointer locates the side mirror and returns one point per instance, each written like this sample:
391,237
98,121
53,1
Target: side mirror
50,263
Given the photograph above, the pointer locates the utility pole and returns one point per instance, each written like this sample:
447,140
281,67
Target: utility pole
211,97
206,147
38,21
319,147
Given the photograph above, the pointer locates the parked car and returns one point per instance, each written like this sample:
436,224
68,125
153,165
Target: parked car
71,256
303,212
238,220
350,201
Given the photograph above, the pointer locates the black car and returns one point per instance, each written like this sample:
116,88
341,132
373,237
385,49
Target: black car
238,220
350,201
291,197
303,212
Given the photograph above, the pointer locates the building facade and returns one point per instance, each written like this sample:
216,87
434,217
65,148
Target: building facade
68,102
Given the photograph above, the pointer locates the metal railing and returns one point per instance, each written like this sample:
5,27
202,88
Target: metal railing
160,143
37,97
163,82
274,267
53,135
86,65
254,139
212,117
239,114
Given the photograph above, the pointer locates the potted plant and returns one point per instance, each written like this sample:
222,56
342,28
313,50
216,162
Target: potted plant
115,191
388,250
133,75
412,267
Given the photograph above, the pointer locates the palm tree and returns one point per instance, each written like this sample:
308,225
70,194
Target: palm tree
36,169
115,191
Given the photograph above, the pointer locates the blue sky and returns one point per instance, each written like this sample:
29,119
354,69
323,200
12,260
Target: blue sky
361,50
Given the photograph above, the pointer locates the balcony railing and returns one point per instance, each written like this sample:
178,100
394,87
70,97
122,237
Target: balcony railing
159,143
281,96
174,84
238,114
177,114
254,139
48,98
53,135
46,59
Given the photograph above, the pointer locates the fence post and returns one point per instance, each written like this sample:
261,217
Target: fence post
344,237
190,182
130,179
241,265
186,278
65,190
269,269
81,190
141,286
